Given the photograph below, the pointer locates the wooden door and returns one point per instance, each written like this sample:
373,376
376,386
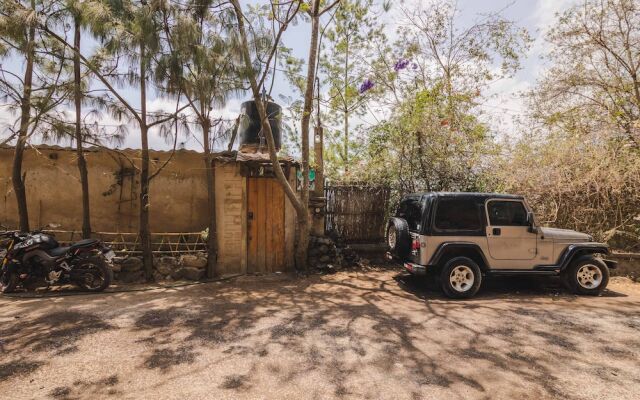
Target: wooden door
265,226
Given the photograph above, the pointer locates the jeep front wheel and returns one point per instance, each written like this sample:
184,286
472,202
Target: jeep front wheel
460,278
588,275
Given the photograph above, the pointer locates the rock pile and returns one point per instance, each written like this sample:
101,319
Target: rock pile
327,256
191,267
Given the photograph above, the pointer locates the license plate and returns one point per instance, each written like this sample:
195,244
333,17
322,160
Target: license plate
109,255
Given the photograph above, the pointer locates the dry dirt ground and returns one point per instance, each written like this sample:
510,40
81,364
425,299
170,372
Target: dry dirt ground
354,335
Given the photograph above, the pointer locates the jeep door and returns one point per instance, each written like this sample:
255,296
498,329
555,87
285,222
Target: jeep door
508,232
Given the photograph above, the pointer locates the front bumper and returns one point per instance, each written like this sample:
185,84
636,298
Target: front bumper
415,269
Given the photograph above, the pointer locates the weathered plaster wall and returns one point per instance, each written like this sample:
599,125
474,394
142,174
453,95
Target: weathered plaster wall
178,197
178,194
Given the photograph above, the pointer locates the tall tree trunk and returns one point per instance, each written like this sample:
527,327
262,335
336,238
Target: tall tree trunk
212,242
145,233
82,163
346,141
346,109
303,228
299,204
25,116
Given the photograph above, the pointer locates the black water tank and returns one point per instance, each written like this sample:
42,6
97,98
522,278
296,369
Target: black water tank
249,127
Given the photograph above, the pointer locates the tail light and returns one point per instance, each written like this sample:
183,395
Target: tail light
415,245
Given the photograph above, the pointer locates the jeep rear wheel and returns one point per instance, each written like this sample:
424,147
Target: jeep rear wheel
398,237
588,275
460,278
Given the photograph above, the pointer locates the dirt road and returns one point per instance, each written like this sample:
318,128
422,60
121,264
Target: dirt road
353,335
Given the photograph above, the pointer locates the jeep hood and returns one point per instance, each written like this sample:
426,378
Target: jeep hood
565,235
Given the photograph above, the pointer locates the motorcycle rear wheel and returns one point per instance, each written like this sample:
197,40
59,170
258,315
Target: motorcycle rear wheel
8,282
98,275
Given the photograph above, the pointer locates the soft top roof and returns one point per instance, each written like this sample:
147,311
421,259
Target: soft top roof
467,195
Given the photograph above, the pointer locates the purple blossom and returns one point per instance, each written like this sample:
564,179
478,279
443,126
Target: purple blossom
400,64
414,66
366,85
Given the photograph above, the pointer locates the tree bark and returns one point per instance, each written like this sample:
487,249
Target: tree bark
303,236
145,233
346,110
346,141
212,242
25,116
82,162
299,204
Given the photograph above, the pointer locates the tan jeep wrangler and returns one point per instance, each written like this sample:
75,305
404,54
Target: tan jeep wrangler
462,237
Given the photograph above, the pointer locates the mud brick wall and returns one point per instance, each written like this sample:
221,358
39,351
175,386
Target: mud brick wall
231,224
178,194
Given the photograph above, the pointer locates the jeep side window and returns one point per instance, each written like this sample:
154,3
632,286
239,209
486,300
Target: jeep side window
456,214
507,213
411,210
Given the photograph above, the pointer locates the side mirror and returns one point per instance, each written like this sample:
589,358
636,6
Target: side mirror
531,222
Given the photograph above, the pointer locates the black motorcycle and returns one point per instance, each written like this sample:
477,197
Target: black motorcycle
36,255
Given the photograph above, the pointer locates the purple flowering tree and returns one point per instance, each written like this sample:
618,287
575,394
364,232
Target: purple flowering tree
365,86
351,43
401,64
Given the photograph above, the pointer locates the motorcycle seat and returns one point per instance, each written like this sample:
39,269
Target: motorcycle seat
58,251
84,243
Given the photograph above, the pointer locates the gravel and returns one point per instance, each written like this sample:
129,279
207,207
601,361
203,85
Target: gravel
353,335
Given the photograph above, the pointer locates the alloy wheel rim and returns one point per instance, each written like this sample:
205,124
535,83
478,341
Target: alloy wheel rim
589,276
461,278
90,277
392,238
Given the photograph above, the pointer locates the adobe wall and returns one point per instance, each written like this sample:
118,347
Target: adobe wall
178,194
178,197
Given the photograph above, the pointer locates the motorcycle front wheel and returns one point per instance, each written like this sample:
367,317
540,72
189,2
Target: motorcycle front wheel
8,282
93,275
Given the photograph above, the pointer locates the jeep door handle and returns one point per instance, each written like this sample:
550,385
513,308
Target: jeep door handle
497,231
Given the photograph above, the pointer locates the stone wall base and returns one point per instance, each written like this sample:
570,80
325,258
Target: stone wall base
165,268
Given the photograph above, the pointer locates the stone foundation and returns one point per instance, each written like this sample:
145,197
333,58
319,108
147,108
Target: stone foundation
327,255
165,268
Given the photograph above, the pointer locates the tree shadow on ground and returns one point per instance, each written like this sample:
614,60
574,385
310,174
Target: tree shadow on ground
56,332
357,335
17,367
83,389
359,319
29,344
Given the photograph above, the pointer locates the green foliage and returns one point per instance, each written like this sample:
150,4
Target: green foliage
428,86
346,61
50,82
419,148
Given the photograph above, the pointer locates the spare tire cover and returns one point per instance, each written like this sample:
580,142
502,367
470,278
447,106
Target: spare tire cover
401,246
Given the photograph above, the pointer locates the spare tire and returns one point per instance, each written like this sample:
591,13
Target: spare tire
398,237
